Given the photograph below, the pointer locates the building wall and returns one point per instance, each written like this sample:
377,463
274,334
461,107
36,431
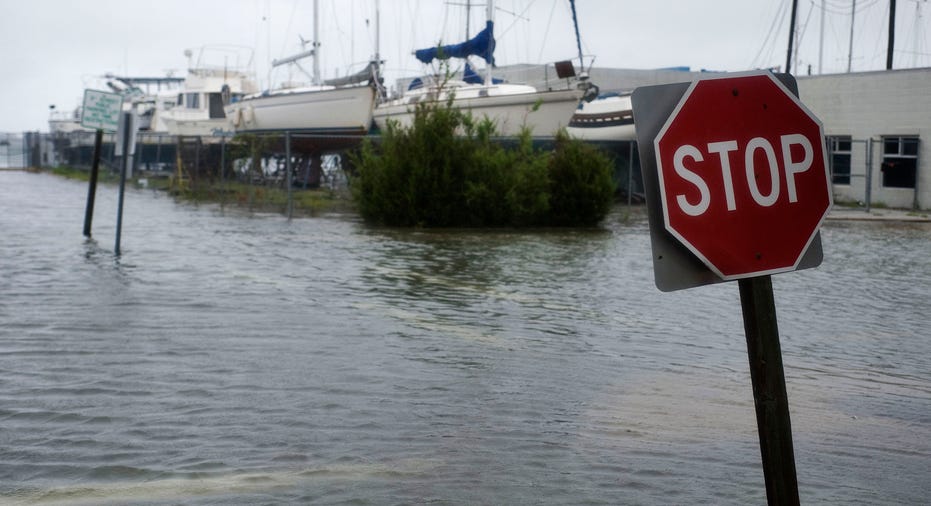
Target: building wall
868,106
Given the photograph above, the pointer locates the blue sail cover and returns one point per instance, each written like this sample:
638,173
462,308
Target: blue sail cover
470,76
483,44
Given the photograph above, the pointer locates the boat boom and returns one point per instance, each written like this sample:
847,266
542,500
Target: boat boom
292,59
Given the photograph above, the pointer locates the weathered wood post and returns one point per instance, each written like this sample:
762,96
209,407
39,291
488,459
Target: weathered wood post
92,183
287,165
769,390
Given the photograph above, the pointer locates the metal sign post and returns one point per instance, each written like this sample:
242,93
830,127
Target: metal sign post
127,144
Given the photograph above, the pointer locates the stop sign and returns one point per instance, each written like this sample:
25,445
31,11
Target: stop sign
743,175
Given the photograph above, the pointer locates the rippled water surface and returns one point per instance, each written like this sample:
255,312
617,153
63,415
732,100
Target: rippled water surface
237,358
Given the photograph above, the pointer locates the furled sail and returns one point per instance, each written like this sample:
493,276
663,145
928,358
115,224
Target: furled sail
369,73
483,45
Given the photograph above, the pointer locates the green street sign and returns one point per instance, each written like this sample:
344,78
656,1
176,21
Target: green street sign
101,110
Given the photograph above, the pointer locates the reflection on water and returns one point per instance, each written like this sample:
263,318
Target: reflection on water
234,358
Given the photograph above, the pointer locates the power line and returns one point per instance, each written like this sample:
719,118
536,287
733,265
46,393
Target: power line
774,28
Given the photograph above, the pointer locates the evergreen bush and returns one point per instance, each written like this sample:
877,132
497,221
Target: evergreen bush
581,187
446,170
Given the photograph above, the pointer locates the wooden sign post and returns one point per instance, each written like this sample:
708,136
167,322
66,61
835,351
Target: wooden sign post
100,111
737,186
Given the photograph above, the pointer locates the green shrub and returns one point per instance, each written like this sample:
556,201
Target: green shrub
446,170
581,186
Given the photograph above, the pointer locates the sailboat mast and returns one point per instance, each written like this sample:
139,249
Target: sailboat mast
578,39
316,42
821,40
468,15
853,14
490,16
375,67
377,33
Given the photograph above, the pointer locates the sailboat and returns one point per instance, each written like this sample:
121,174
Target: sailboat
510,106
333,107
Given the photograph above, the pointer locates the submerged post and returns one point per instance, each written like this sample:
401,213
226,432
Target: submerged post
869,174
92,183
630,173
223,159
769,390
124,167
287,165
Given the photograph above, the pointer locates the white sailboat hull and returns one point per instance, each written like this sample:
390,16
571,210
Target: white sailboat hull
604,119
324,111
543,112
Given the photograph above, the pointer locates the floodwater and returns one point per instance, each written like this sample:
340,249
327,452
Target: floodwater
235,358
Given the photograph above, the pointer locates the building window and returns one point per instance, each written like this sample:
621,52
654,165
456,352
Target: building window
900,162
839,148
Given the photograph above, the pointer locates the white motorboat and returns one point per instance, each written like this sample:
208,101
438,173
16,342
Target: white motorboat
341,106
65,122
208,88
136,100
145,103
510,106
607,118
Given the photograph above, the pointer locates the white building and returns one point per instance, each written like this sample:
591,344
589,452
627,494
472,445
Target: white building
874,122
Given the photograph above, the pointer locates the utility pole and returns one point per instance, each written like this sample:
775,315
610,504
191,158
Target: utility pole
791,36
891,45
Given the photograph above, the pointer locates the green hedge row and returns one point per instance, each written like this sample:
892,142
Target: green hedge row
446,170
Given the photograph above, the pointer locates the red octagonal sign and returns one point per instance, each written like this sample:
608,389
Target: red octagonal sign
743,175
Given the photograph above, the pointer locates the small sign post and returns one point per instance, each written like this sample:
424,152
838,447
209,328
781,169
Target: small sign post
737,186
100,111
126,149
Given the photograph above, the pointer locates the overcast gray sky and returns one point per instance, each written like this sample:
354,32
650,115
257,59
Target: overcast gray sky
53,49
